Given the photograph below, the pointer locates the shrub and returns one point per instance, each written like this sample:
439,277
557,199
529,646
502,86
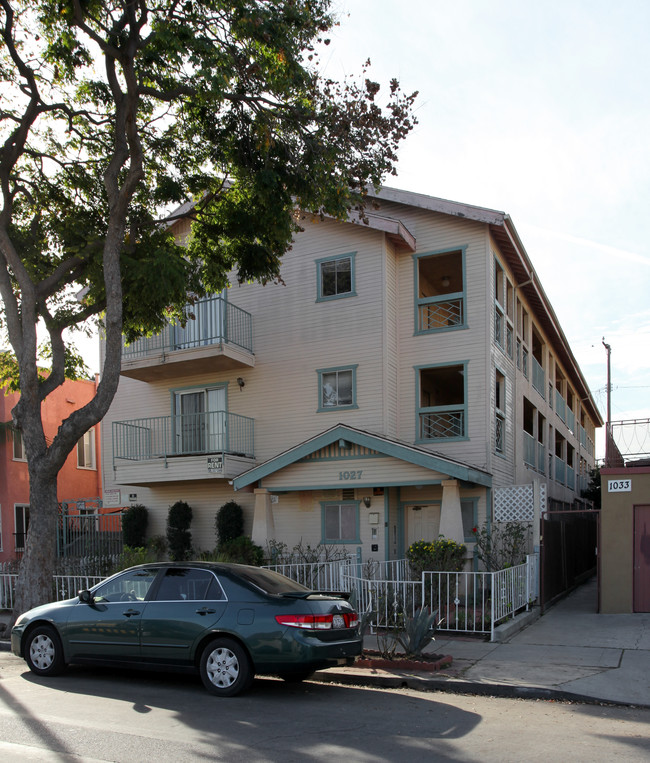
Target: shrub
179,536
134,525
242,550
442,555
503,545
229,523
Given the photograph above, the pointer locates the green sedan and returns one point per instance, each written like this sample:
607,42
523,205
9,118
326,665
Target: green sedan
225,621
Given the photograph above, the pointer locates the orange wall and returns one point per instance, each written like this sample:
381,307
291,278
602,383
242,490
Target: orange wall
73,483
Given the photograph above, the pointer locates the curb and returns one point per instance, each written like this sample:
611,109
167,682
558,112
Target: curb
396,680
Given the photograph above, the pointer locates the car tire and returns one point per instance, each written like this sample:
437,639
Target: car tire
44,651
225,668
296,676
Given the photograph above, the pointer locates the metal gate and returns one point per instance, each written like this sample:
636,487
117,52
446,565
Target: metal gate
568,551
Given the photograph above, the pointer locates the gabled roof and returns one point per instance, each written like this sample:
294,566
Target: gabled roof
503,231
384,445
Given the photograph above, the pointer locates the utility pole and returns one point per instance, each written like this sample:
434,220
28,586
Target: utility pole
608,429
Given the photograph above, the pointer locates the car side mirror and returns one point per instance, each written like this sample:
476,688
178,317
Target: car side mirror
86,597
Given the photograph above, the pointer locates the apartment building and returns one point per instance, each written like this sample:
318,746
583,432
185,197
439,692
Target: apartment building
408,379
79,481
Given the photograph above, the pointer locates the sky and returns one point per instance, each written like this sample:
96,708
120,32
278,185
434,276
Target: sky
540,110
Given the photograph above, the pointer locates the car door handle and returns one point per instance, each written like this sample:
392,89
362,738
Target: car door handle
205,611
131,612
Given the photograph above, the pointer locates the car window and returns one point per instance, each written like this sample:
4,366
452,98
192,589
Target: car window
269,581
189,584
130,586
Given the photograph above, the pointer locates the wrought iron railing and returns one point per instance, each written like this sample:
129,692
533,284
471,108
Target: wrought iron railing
440,313
208,321
183,435
442,425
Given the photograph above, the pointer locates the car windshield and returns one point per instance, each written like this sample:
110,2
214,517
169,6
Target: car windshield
271,582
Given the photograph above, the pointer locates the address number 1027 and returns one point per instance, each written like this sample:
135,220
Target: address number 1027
354,475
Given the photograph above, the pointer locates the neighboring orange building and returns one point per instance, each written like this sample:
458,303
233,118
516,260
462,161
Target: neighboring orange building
79,479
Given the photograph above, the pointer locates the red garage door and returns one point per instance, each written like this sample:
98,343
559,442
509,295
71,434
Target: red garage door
642,558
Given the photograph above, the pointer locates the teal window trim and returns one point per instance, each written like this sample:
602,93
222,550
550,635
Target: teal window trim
500,413
339,541
320,297
422,302
337,369
423,410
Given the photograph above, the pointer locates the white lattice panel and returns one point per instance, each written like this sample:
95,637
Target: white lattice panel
514,503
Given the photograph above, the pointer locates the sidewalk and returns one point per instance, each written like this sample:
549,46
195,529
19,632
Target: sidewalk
570,653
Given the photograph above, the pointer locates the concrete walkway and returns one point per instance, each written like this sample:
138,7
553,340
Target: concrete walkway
570,653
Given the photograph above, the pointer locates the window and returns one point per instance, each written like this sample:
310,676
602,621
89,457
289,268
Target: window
442,408
86,451
440,291
340,522
19,450
189,585
335,277
131,586
469,513
500,413
21,525
337,388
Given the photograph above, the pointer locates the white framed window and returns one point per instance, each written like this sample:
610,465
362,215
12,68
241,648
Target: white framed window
21,525
337,388
200,420
340,522
86,451
19,448
335,277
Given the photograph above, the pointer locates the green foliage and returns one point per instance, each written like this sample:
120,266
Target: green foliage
418,632
593,490
242,550
229,523
132,556
439,555
502,544
179,537
134,525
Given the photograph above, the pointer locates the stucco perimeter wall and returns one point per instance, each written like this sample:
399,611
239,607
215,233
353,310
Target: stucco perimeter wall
617,537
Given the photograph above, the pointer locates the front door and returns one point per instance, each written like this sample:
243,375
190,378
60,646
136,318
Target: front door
642,558
423,522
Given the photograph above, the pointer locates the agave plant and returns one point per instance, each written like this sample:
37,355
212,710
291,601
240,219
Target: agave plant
418,632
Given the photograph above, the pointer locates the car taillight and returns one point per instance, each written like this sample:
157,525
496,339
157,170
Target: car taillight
320,622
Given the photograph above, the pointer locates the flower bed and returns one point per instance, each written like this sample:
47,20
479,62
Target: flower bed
426,663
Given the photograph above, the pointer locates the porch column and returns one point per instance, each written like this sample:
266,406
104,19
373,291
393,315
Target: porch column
263,525
451,519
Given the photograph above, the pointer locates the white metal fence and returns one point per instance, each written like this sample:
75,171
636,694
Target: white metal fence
467,602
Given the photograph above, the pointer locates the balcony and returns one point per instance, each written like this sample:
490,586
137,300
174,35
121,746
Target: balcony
213,445
538,377
445,424
217,336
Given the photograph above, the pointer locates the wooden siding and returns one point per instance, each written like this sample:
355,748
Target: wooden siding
362,472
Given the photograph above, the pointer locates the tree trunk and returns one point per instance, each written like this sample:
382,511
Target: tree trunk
35,576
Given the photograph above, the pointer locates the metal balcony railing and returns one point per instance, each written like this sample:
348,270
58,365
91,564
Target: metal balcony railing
209,321
183,435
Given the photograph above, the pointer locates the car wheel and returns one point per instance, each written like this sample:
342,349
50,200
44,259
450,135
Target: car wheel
225,668
44,652
296,676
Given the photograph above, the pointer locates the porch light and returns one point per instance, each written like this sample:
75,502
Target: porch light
241,383
445,281
367,500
